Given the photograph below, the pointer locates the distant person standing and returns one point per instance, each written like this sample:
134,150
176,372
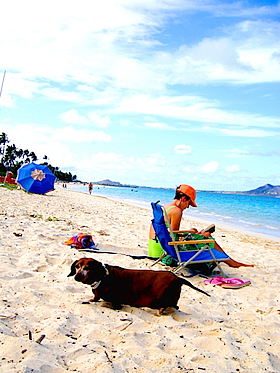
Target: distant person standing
90,188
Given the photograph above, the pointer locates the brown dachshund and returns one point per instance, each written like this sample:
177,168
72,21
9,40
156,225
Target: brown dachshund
138,288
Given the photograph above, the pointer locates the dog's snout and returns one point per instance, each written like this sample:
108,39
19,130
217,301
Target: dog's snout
78,277
80,274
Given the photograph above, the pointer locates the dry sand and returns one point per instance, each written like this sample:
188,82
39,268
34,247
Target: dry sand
233,331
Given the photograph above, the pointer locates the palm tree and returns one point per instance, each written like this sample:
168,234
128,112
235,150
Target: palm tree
3,141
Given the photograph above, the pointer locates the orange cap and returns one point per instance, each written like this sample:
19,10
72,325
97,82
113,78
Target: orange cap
188,191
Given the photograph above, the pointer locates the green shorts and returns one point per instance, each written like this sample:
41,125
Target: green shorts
155,250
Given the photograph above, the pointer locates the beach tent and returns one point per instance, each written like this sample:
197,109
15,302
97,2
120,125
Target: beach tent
199,251
35,178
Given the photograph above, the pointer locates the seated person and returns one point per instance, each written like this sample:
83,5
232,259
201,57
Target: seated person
184,198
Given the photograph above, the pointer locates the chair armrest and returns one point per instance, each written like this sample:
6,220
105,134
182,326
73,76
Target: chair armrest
190,242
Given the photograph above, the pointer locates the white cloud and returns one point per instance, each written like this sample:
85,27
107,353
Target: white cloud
247,53
110,48
248,132
40,140
157,125
154,163
198,109
236,152
156,159
188,169
210,167
103,58
73,117
99,121
72,135
108,160
233,168
183,149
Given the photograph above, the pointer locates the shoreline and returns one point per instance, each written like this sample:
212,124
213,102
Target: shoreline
233,330
233,220
193,219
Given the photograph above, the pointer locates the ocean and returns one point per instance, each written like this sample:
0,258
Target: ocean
253,213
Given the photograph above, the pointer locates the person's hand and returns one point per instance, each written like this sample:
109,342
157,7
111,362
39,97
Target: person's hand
205,234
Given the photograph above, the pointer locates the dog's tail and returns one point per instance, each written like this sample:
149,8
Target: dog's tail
185,282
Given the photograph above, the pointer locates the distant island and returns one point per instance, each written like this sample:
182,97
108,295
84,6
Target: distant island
265,190
108,182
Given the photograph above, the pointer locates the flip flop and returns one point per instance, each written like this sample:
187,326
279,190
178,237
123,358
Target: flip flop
217,280
228,283
236,284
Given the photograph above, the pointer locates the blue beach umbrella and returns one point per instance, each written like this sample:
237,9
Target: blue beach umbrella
36,178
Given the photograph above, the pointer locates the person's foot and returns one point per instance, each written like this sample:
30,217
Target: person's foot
234,264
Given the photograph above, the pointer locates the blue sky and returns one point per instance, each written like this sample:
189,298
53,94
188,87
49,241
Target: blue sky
147,92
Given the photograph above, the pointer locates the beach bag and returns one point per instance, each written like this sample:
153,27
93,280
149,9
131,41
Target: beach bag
202,268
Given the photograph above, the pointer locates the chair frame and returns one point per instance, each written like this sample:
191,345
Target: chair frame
196,250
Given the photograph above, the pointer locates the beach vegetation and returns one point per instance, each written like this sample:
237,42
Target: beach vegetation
9,186
12,158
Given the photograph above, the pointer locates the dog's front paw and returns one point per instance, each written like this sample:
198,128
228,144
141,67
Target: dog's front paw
90,301
93,300
116,306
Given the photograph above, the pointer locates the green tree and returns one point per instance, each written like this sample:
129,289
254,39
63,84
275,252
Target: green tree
12,158
3,142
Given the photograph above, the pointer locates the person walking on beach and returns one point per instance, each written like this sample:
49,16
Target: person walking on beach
184,198
90,188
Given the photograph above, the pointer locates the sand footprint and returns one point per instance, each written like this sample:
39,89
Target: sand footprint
42,268
53,261
24,275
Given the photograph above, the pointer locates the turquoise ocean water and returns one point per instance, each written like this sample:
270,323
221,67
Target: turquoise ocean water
253,213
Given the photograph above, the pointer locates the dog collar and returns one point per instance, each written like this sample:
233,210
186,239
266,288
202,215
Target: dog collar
106,270
97,283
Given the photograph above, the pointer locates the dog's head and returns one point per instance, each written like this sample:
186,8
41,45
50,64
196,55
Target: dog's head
88,271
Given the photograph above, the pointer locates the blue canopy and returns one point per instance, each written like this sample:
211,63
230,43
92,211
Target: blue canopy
35,178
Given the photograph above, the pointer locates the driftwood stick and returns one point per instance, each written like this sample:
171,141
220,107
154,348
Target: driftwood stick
39,340
126,326
109,360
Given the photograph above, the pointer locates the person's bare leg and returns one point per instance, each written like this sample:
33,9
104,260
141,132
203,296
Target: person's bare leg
231,262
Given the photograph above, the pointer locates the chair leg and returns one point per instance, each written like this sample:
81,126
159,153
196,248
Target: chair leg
220,268
177,269
181,266
159,259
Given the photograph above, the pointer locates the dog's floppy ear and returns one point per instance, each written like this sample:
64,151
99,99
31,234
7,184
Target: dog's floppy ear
73,269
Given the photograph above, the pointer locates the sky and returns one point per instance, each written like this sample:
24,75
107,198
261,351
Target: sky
148,92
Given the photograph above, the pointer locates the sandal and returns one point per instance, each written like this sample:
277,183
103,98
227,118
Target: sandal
235,283
228,283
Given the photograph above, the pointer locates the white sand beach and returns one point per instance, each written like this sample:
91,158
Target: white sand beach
234,330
